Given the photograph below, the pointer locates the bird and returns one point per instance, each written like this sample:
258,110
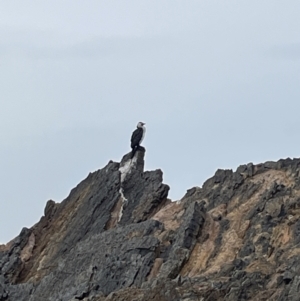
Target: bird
137,137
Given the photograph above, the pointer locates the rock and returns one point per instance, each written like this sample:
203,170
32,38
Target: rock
294,291
3,292
287,277
49,209
118,237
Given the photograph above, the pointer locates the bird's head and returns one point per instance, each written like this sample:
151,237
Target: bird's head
140,124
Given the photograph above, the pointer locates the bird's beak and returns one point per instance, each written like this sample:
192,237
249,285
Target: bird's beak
143,123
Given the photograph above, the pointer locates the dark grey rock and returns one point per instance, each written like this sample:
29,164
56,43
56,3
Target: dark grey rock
3,291
294,291
50,209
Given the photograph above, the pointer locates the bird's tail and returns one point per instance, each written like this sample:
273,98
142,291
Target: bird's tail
133,152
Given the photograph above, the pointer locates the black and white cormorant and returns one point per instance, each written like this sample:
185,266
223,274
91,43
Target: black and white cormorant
137,137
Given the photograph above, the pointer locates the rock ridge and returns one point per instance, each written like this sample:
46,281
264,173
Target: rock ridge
117,236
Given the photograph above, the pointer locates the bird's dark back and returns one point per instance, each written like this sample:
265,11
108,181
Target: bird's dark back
136,137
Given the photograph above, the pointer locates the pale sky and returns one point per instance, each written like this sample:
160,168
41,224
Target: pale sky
217,83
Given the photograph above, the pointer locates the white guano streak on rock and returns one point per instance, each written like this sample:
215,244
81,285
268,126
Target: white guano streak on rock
125,170
123,201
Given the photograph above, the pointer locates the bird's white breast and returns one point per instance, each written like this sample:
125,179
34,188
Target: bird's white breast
144,131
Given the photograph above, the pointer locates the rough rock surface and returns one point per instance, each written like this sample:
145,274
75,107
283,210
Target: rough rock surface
118,237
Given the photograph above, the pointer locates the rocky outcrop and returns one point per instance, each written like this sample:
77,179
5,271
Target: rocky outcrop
118,237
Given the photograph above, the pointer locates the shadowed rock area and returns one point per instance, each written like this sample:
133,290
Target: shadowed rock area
118,237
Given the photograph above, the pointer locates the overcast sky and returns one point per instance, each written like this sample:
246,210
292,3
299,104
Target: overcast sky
217,83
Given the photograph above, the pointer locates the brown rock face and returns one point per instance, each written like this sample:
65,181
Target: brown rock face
118,237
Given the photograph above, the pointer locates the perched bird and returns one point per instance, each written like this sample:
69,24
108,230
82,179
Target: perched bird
137,137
